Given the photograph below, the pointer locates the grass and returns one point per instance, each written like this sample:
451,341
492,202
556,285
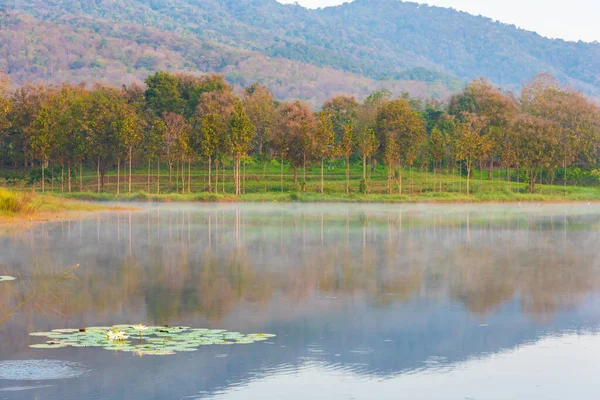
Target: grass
30,206
266,186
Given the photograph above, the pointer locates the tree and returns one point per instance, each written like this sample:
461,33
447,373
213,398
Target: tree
437,144
575,118
129,126
59,129
105,105
342,109
324,141
260,108
219,100
294,128
175,126
5,109
367,144
481,98
162,94
153,141
241,135
398,121
346,147
536,143
471,145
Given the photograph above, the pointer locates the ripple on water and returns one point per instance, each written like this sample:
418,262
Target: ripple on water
38,370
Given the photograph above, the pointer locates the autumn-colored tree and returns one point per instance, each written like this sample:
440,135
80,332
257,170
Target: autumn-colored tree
346,147
498,109
575,118
398,121
295,126
537,141
471,146
342,110
241,136
59,129
5,108
260,107
153,145
219,101
437,144
129,126
176,126
324,142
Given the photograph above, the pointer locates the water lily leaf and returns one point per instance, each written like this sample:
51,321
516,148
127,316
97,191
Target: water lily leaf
48,346
155,340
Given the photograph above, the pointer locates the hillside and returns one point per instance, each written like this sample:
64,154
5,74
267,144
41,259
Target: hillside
297,52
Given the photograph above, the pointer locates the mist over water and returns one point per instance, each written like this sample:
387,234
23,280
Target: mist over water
367,301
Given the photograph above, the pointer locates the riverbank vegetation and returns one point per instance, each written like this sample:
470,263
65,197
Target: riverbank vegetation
18,206
194,137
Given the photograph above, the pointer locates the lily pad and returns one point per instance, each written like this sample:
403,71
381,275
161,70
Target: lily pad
7,278
154,340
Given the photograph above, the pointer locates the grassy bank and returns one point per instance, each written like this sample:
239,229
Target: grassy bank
28,207
272,184
575,195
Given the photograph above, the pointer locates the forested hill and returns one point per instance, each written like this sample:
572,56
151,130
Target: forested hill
296,51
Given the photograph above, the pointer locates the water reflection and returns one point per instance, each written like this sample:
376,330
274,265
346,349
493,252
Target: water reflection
351,291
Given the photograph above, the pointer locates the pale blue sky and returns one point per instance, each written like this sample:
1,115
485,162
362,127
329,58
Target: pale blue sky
566,19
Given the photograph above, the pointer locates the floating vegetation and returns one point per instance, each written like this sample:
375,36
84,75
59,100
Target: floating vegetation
7,278
143,340
39,370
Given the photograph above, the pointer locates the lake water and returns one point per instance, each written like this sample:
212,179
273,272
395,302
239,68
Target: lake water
366,302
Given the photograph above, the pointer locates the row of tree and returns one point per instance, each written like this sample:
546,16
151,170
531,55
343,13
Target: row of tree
179,119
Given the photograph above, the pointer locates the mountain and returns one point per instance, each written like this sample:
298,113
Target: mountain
311,54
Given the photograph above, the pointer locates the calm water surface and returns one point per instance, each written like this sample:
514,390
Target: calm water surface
367,302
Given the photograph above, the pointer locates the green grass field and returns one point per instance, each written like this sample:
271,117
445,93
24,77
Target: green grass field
268,186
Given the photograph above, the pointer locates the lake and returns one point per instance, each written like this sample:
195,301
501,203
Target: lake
365,302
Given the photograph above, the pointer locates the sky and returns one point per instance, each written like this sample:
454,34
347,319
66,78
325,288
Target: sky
565,19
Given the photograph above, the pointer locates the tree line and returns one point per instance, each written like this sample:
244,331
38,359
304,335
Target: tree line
177,120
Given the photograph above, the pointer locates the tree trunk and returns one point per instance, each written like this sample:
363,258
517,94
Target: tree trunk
304,172
434,168
390,172
295,176
148,176
216,175
97,174
81,176
189,175
170,175
236,175
347,175
565,179
400,181
365,169
532,176
62,178
209,174
69,177
158,175
118,176
43,177
281,175
322,176
265,175
468,179
130,162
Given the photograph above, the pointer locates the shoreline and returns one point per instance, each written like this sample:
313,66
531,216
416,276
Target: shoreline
300,197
